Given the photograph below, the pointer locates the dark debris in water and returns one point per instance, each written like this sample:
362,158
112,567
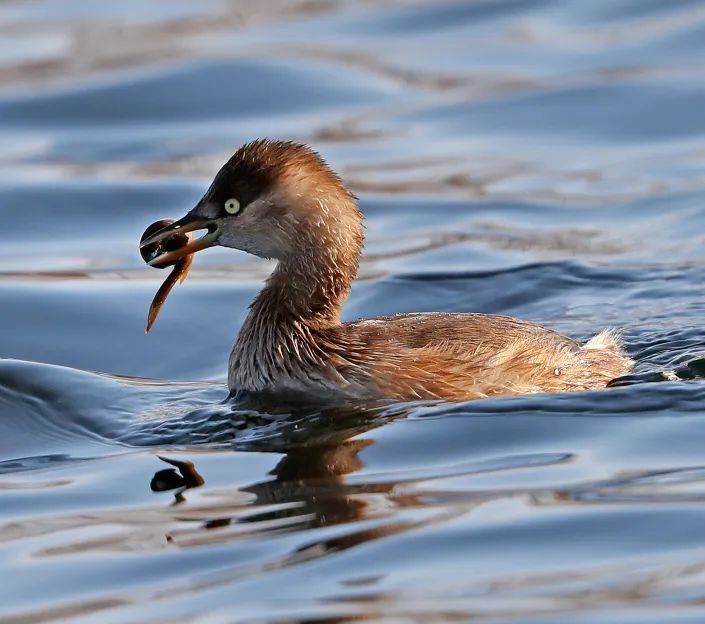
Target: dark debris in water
691,371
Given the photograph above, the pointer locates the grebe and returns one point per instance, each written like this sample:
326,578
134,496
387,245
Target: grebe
280,200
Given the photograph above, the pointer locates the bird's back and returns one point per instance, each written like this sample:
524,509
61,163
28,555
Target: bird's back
465,356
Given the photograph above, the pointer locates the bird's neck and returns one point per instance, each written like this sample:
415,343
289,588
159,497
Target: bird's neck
312,281
307,292
299,305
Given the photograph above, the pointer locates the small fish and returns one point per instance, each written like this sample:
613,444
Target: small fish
178,273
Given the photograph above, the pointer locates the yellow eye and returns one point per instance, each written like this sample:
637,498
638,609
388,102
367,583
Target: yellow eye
232,206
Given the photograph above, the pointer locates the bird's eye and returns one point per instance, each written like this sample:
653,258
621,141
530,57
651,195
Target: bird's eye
232,206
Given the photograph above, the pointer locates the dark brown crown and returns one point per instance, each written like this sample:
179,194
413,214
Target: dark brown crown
257,166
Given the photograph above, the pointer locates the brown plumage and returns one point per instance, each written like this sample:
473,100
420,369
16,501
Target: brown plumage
280,200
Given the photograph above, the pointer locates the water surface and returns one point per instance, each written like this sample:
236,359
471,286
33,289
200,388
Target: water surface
535,158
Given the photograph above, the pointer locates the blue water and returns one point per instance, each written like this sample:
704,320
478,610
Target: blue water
541,159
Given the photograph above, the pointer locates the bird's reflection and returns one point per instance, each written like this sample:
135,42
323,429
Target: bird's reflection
180,478
310,488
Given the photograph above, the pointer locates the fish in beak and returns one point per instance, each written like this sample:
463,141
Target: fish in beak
162,245
171,243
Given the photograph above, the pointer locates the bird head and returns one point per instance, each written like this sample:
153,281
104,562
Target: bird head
272,199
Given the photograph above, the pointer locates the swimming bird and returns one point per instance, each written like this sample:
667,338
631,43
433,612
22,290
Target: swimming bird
280,200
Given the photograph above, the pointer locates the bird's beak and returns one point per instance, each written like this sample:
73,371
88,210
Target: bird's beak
183,226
